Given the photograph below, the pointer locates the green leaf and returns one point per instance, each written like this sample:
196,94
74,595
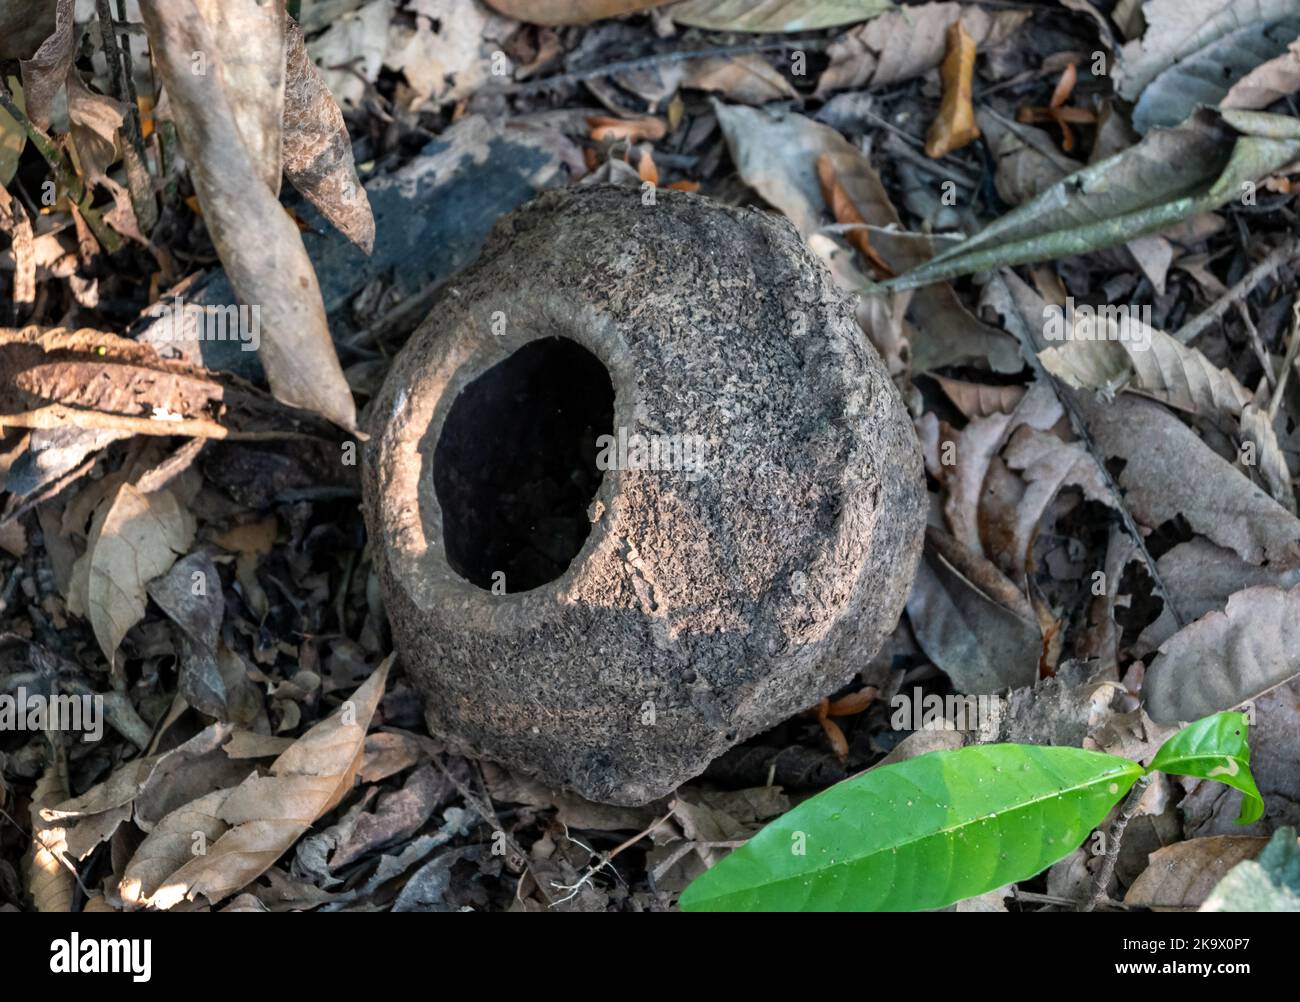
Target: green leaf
922,833
1268,883
1214,748
1169,176
775,15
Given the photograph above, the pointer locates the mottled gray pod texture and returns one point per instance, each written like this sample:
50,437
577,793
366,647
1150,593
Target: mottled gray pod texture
749,570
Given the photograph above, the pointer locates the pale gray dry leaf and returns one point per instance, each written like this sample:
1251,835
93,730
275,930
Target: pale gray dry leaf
971,621
135,538
1169,472
1193,50
1170,176
775,15
267,814
1028,159
176,839
448,53
258,243
908,42
17,224
317,149
351,51
249,34
190,595
1202,577
1226,658
45,71
1182,875
1267,82
1268,883
1259,429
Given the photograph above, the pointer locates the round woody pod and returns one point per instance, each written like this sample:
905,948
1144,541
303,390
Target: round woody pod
639,489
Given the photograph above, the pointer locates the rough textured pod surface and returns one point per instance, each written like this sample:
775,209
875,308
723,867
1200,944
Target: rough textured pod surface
639,489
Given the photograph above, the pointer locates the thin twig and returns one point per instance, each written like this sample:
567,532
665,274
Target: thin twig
1113,839
1197,326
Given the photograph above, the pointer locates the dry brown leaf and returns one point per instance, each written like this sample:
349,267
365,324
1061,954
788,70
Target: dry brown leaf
842,208
978,400
258,243
1181,876
632,129
95,120
1226,658
135,538
180,836
1267,82
955,127
267,814
50,879
24,26
553,12
317,148
1027,158
1169,472
747,78
908,42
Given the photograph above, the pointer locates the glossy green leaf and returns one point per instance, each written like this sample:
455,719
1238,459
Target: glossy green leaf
1215,748
922,833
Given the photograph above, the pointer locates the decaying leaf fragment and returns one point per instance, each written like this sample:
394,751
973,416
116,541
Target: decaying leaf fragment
955,127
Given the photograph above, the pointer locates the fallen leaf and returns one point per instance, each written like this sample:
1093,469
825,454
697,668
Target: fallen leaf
1182,875
633,130
909,42
267,814
45,72
1194,50
971,621
1267,82
1226,658
955,127
747,78
51,880
1268,883
317,149
775,15
555,12
135,538
266,263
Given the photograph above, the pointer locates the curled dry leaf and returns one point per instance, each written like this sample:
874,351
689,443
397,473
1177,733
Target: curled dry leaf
1267,82
134,538
631,129
45,71
1226,658
1182,875
955,127
168,847
258,243
909,42
317,149
267,814
250,34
